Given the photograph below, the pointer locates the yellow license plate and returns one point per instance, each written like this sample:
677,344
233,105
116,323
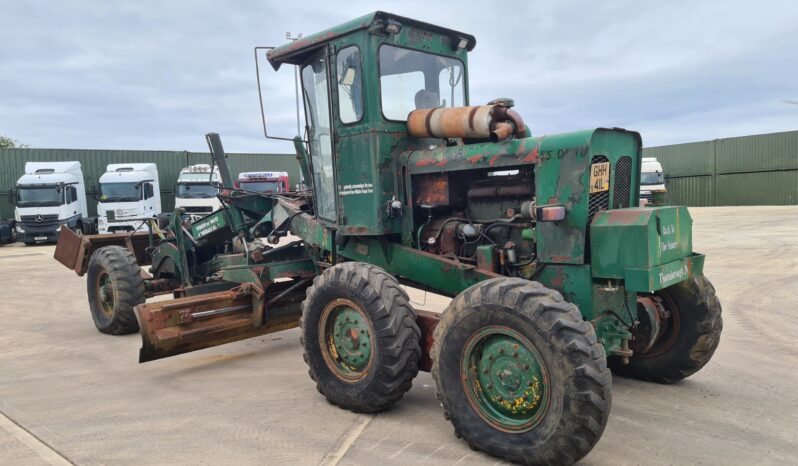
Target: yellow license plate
599,177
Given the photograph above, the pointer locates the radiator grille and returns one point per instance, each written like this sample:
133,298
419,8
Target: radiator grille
42,219
597,201
622,183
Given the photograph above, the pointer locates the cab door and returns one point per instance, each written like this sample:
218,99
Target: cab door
316,92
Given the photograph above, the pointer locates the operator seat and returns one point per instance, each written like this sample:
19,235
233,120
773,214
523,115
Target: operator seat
427,99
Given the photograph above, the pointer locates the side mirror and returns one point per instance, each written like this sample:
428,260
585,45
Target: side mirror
11,197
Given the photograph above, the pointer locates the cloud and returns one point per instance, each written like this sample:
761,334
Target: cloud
158,75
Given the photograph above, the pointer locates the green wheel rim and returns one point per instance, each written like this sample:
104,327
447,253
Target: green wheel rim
505,379
105,293
347,339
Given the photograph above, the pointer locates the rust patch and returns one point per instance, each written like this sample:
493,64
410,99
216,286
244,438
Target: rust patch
427,321
532,156
566,259
474,159
433,190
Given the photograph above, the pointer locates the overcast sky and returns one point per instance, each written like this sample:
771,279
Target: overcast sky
160,74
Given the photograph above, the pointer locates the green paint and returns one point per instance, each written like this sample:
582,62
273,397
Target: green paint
639,238
208,224
505,377
444,275
663,276
349,339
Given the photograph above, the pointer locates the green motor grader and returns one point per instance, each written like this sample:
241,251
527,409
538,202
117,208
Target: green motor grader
556,273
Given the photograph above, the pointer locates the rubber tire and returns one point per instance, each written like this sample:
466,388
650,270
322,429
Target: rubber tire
700,326
125,274
397,346
580,382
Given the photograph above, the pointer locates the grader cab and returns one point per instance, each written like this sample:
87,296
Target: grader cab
555,271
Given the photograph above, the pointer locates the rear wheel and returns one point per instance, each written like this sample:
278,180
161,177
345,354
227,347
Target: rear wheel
520,374
115,286
689,315
360,337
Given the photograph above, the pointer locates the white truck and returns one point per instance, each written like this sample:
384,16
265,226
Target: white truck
196,190
652,181
129,193
48,197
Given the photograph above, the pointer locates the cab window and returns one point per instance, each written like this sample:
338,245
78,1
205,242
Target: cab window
350,85
410,79
317,114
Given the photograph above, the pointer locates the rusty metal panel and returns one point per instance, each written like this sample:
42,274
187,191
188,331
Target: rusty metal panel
432,189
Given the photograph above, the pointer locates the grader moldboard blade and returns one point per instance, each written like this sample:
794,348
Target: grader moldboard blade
182,325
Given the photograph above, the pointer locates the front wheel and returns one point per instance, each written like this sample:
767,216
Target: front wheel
689,315
115,286
360,337
520,373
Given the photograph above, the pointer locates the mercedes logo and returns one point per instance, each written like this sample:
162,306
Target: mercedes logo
39,218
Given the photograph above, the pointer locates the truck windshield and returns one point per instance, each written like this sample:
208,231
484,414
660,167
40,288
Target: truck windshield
120,192
261,186
410,80
39,196
652,178
196,190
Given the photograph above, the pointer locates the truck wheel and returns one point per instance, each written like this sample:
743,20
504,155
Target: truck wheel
520,374
691,326
115,287
360,337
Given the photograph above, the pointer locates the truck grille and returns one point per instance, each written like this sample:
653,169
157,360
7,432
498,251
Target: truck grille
597,201
44,218
623,183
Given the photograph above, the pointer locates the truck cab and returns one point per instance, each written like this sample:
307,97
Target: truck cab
196,191
129,193
264,182
48,197
652,181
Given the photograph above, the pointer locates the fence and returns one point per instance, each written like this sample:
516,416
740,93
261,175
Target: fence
93,163
747,170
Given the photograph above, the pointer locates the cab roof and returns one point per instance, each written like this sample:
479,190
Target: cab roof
296,51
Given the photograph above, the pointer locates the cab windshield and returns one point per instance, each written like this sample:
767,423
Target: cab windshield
196,190
261,186
410,80
120,192
40,196
652,178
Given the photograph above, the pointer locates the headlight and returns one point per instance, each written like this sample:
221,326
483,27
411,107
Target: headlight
58,228
20,230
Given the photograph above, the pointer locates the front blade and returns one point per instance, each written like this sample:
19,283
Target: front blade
182,325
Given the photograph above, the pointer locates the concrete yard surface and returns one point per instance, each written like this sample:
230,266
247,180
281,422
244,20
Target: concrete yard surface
69,394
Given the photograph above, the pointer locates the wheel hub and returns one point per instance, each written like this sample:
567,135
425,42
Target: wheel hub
505,378
105,291
348,339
